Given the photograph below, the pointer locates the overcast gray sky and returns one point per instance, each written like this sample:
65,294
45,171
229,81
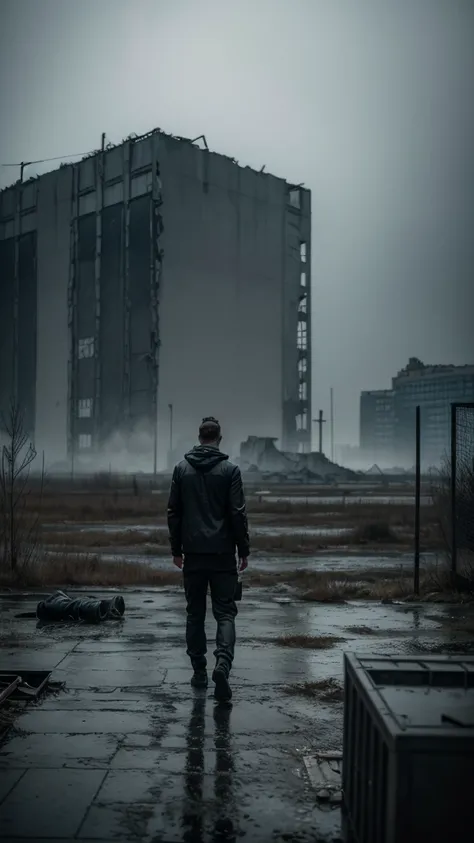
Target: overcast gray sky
368,102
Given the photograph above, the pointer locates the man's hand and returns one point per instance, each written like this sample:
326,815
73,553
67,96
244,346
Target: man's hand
178,561
243,564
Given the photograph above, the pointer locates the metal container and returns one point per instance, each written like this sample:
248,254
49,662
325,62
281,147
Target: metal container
408,760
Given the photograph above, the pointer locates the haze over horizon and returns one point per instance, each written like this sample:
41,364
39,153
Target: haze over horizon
369,103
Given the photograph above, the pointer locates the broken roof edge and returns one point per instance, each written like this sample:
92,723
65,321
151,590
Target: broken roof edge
134,138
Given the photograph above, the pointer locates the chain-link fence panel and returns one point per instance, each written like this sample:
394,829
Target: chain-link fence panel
462,488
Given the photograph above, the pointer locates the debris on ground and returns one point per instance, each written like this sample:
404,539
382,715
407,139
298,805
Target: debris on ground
260,454
60,607
325,690
8,684
23,684
324,770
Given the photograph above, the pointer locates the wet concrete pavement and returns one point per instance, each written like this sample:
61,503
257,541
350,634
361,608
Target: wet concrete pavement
127,751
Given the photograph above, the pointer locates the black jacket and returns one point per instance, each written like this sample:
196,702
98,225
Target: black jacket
206,507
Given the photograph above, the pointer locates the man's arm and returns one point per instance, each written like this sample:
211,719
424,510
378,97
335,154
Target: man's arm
238,514
175,512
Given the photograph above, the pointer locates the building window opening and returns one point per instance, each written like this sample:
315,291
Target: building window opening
295,197
303,279
303,391
302,421
303,254
84,408
302,366
303,305
85,441
85,348
301,447
302,336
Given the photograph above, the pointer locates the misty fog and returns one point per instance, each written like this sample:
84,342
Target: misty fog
369,103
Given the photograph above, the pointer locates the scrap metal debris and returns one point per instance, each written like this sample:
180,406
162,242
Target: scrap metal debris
60,607
8,685
22,684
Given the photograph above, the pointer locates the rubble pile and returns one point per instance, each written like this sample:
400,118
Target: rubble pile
260,456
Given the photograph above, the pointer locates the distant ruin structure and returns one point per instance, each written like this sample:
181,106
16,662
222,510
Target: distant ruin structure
259,454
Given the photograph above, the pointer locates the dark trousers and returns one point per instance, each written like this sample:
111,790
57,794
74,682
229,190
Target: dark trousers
223,586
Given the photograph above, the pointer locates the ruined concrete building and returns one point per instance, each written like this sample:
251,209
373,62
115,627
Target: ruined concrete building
259,454
150,274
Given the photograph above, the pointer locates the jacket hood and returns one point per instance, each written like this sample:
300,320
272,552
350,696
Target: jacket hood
205,457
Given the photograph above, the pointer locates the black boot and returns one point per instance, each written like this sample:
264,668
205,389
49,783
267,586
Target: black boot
222,691
199,678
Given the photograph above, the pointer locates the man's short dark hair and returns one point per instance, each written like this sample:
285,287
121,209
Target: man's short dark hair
209,430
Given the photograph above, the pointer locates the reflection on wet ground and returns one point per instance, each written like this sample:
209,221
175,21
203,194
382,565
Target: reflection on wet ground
131,753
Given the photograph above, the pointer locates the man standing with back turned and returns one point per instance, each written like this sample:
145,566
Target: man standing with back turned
207,522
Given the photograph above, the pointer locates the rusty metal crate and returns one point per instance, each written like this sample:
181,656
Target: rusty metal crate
408,759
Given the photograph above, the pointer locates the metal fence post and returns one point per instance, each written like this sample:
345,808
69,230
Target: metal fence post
416,571
453,490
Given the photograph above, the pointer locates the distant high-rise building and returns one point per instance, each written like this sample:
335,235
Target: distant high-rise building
377,426
434,388
387,416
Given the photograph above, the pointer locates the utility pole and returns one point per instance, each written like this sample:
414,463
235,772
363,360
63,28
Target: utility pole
320,421
22,168
170,407
332,425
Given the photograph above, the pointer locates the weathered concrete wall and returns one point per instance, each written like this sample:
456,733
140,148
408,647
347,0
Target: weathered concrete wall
53,236
221,305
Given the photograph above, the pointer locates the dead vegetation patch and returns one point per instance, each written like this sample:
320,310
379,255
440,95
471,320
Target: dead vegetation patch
70,570
383,584
307,642
106,538
360,630
326,690
156,542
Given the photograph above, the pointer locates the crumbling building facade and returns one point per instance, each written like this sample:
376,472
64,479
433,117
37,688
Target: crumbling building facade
150,284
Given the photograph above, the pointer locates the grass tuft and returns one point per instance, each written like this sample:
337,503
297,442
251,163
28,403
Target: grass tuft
307,642
326,690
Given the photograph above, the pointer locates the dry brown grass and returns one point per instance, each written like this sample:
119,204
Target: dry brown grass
106,538
376,536
373,584
90,504
98,507
326,690
71,570
307,642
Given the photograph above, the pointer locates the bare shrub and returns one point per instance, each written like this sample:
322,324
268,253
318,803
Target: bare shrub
18,524
377,532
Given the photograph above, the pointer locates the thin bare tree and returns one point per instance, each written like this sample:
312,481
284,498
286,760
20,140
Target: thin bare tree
19,525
